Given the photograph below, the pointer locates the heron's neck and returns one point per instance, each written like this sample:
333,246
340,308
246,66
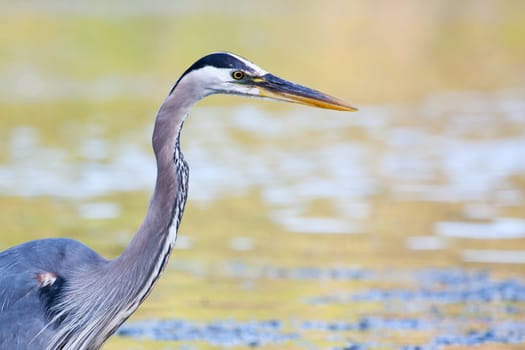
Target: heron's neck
155,237
147,254
118,288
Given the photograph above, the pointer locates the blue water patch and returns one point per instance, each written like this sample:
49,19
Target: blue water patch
505,333
220,333
451,276
367,323
507,291
487,310
316,273
241,269
438,287
303,273
230,333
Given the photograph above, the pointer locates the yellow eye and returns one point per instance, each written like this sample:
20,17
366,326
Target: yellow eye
238,74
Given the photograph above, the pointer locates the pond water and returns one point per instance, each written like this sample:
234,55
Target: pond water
401,226
447,269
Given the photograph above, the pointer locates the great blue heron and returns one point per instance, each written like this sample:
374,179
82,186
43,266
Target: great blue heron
57,293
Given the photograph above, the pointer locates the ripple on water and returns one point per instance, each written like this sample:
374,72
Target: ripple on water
489,312
438,287
295,167
220,333
257,333
494,256
239,269
99,210
500,228
425,243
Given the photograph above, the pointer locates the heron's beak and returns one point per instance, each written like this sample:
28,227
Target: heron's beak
279,89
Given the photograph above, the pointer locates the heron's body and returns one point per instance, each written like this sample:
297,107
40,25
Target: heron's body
60,294
25,305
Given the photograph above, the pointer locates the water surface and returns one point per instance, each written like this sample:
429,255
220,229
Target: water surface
398,227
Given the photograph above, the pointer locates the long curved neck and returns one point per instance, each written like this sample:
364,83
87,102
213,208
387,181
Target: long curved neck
118,287
148,252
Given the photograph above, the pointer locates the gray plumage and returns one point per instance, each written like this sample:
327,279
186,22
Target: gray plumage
59,294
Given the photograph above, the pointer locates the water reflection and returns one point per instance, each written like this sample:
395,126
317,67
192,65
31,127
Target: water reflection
219,333
99,210
425,243
451,148
34,170
494,256
502,228
486,311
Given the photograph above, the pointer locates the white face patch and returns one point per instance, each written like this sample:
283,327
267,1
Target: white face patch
212,80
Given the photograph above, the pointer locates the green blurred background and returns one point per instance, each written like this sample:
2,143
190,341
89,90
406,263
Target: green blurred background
74,71
371,51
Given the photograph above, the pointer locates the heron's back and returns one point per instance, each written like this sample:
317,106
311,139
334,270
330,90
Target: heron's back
32,276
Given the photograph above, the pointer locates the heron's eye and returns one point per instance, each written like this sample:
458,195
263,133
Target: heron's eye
238,74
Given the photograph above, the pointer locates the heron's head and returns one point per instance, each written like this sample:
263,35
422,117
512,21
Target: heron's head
226,73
